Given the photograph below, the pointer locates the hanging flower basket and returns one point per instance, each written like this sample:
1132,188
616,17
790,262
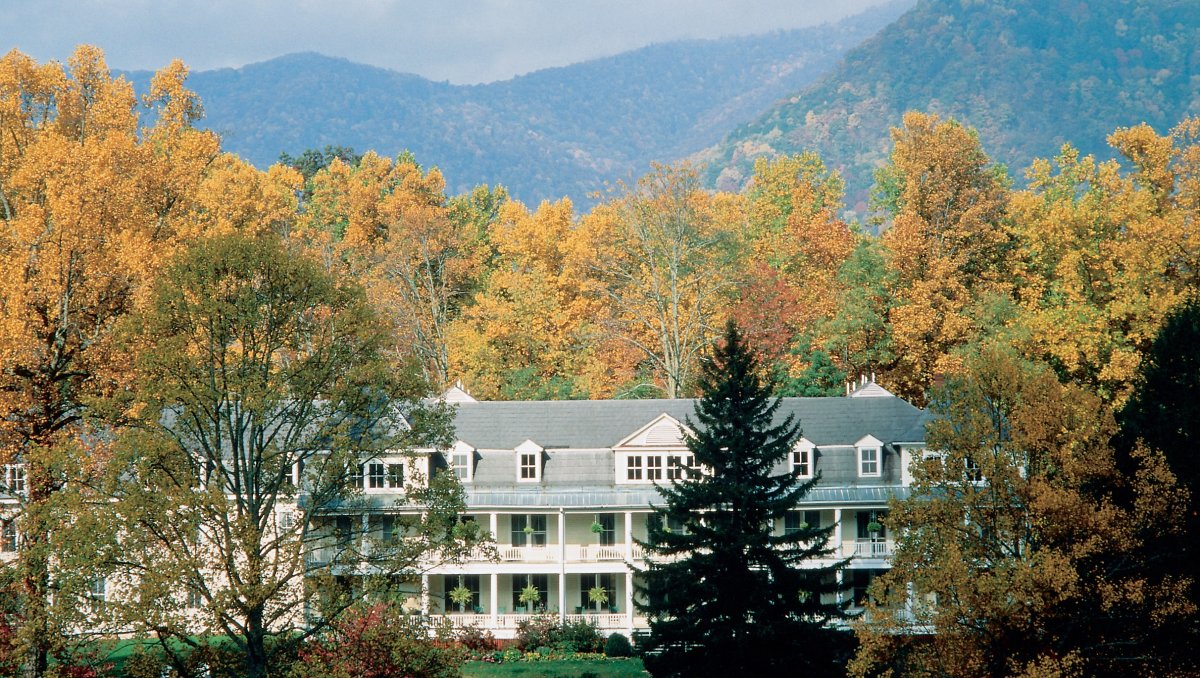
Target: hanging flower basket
874,527
597,528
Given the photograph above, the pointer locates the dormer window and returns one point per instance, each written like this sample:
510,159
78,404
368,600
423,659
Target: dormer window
529,462
870,457
802,459
460,458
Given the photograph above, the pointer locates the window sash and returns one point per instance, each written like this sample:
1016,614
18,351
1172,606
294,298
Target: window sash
633,468
529,466
802,462
376,474
461,463
654,467
868,458
537,535
395,476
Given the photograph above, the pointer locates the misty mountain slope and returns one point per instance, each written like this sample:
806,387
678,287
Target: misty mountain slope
1030,75
555,132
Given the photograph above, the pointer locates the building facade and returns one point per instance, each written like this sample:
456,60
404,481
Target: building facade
565,488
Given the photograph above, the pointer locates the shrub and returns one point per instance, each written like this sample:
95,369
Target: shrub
618,645
476,641
580,636
537,631
544,631
378,641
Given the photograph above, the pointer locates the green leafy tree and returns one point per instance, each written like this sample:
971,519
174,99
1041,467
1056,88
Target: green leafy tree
724,594
261,385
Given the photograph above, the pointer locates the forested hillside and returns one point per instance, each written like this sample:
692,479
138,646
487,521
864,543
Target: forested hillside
1029,75
555,132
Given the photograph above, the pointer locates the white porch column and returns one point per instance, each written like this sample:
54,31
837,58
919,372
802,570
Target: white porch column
629,603
562,565
837,532
425,595
562,597
493,525
562,536
628,536
364,542
494,602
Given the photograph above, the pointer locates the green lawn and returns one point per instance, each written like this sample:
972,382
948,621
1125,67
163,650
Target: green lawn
566,668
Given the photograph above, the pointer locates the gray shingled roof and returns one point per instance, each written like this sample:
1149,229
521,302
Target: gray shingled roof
592,424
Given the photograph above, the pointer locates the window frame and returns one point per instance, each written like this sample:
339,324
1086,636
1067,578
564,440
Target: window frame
526,452
801,460
869,445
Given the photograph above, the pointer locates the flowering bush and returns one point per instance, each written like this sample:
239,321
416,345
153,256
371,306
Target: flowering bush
379,641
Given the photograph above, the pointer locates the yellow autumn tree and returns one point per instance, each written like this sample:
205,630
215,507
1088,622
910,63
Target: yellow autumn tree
523,336
946,244
796,244
1105,255
87,210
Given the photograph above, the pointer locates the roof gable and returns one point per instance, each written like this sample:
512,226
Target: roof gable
662,431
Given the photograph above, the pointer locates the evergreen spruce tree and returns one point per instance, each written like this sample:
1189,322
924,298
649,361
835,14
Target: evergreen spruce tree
724,593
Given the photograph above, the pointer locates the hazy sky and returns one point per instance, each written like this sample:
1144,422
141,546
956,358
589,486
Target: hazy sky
458,40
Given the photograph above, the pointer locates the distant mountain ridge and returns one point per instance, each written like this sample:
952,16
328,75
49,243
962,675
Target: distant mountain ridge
560,131
1029,75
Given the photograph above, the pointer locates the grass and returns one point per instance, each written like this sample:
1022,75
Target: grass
564,668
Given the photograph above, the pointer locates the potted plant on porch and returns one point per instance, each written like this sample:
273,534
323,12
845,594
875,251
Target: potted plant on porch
461,596
598,596
530,597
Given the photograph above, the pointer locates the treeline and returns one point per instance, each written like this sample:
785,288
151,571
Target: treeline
102,215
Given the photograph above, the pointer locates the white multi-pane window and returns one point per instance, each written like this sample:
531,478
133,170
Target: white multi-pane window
529,466
98,589
971,471
802,459
654,467
395,476
356,476
868,461
634,468
529,462
14,478
376,475
676,465
8,536
461,463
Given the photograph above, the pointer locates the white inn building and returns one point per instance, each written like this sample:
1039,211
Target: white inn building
565,488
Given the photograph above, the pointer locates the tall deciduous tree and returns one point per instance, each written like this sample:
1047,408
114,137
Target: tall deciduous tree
261,386
725,595
1016,551
87,210
664,270
946,244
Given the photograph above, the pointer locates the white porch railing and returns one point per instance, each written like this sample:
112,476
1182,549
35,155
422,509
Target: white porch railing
593,553
528,554
601,620
872,548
